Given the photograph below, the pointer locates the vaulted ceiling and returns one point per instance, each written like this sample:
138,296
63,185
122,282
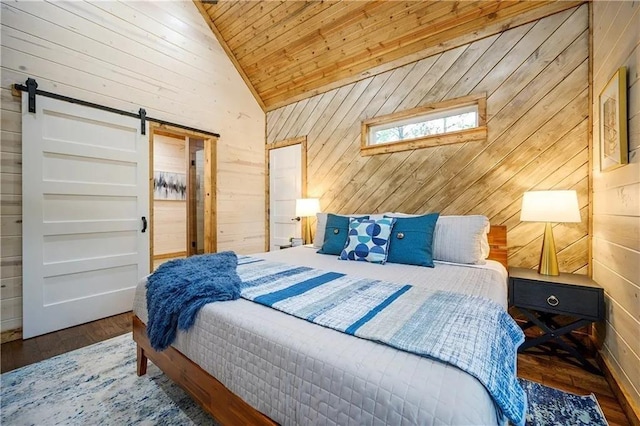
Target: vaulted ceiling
289,50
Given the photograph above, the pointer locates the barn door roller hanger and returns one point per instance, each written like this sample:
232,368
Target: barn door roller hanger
31,87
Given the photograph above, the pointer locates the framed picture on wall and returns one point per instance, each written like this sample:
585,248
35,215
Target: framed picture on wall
614,151
169,186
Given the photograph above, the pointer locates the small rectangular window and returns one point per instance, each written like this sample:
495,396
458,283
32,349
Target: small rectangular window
453,121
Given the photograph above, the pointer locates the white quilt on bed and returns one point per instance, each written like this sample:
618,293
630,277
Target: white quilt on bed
298,373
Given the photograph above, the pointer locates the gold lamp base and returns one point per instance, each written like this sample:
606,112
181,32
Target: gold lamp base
548,259
307,234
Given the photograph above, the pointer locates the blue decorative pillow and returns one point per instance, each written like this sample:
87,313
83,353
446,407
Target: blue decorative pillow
335,234
411,241
368,240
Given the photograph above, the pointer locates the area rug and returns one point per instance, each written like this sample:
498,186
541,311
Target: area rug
549,406
98,385
95,385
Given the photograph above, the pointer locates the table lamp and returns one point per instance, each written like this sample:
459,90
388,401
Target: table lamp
307,207
549,206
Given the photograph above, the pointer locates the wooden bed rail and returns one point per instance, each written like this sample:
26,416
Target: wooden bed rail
226,407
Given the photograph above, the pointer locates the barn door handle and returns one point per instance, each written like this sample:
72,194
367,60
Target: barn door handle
144,224
296,218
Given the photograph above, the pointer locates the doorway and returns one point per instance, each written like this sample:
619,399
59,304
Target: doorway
182,194
287,181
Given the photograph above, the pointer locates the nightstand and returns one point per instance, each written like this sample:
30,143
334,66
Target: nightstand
541,298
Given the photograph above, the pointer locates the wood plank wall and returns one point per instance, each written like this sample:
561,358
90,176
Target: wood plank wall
158,55
616,197
536,80
169,216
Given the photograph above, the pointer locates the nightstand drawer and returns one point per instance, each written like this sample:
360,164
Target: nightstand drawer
570,300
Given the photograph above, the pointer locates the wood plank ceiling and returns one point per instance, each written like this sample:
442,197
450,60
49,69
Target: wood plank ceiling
289,50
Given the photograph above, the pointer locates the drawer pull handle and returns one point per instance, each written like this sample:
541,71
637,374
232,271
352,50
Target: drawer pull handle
552,300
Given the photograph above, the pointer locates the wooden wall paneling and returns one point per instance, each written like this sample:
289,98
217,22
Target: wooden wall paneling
11,287
311,106
328,112
471,56
534,173
121,79
292,120
436,69
532,42
97,52
624,261
620,320
327,149
623,201
551,134
475,64
621,230
230,55
10,141
614,343
169,228
392,165
620,290
349,161
537,74
280,120
505,133
444,74
6,98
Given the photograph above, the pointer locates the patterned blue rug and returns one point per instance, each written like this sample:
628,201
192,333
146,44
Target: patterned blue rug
98,385
549,406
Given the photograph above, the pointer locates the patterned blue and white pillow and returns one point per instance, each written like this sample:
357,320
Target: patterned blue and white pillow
368,240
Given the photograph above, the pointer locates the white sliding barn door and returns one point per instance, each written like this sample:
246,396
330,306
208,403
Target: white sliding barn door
85,190
285,185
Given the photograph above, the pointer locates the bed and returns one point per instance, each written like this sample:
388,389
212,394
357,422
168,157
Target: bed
249,364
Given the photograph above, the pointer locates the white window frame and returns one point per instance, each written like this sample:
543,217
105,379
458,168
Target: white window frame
426,113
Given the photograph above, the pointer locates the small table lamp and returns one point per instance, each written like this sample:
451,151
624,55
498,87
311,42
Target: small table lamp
306,207
549,206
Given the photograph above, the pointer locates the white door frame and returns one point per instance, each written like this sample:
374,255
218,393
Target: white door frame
302,140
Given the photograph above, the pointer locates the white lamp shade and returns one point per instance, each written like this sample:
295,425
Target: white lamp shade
307,207
550,206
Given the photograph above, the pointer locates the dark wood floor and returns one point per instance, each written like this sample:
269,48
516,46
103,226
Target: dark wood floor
24,352
550,371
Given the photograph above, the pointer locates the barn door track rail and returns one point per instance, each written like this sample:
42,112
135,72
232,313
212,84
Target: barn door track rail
31,87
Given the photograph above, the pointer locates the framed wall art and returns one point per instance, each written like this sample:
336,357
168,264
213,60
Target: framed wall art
169,186
614,151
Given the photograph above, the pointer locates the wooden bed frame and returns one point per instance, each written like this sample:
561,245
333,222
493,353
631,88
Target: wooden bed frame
226,407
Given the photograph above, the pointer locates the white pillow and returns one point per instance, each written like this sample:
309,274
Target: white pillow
321,224
461,239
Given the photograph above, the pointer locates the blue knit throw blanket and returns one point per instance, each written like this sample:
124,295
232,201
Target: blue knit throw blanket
179,288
